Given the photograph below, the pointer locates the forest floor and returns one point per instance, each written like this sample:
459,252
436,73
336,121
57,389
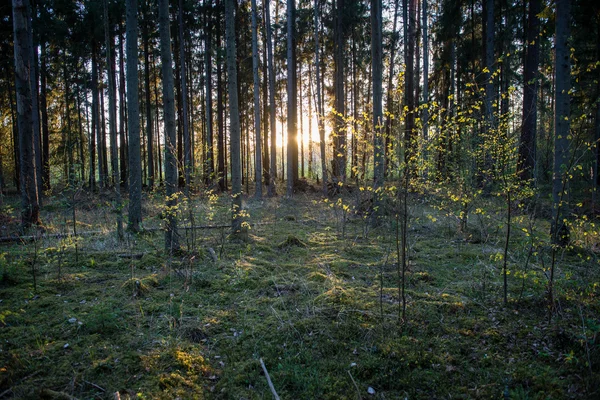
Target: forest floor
313,292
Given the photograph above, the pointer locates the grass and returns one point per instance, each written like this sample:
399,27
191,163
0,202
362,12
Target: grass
303,297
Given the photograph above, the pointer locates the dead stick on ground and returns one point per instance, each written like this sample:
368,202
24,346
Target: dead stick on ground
262,364
355,385
94,385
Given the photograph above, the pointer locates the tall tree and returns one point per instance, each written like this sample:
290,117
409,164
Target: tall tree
272,109
527,146
133,119
257,148
488,72
339,134
187,142
377,71
171,237
112,118
425,81
562,124
292,101
44,110
209,159
149,135
320,115
234,119
30,210
409,97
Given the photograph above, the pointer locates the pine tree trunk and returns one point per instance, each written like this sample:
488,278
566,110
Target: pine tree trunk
234,120
425,116
95,122
112,118
390,104
149,125
23,62
562,125
527,146
377,71
187,144
123,148
339,137
133,120
257,132
320,115
44,110
272,109
209,160
221,145
292,101
171,236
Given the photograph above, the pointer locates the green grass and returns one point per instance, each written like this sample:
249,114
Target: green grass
307,301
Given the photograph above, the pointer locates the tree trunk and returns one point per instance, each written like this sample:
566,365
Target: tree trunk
237,226
527,146
320,114
171,236
149,125
409,138
377,71
390,104
112,118
562,125
425,116
123,148
23,62
187,144
339,134
44,109
221,145
34,77
272,109
209,160
95,121
133,119
292,101
258,143
488,7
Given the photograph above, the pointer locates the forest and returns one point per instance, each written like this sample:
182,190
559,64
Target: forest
299,199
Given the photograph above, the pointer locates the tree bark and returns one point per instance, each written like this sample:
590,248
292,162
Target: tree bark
562,124
209,168
320,114
221,144
122,113
187,144
171,236
292,101
339,134
258,143
112,118
377,71
149,125
527,146
44,109
133,119
237,226
23,60
272,109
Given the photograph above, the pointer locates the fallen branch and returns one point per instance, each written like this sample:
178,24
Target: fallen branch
275,395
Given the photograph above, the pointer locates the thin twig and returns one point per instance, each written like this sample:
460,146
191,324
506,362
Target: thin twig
94,385
355,385
262,364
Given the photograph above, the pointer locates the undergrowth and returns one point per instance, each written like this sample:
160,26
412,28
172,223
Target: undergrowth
319,305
